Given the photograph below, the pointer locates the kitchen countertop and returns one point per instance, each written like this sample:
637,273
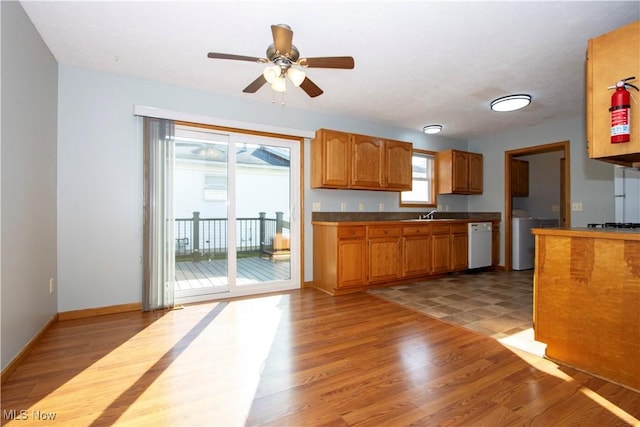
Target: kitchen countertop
332,217
598,233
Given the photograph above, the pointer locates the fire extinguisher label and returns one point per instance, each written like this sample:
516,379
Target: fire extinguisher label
620,122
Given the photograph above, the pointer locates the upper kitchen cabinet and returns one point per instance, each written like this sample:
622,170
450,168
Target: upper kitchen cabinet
367,162
612,57
344,160
459,172
519,178
398,167
330,158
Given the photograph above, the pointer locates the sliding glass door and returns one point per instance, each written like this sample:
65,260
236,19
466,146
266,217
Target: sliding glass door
235,196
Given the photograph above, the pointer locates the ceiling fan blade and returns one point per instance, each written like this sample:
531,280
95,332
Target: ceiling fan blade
344,62
255,85
311,88
214,55
282,37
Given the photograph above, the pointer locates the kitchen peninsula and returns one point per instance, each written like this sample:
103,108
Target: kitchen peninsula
587,300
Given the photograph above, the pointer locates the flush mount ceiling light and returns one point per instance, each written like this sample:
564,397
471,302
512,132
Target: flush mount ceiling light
510,102
431,129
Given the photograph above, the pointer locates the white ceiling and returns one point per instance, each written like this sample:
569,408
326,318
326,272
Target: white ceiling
416,62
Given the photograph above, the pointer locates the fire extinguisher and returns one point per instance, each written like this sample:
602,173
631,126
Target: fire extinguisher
621,111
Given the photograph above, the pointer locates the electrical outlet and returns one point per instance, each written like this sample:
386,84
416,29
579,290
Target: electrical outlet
361,207
555,208
343,207
51,286
315,206
381,207
576,206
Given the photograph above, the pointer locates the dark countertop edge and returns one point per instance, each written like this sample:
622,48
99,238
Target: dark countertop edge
598,233
400,216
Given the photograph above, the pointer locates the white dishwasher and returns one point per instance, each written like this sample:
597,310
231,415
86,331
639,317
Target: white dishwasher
479,244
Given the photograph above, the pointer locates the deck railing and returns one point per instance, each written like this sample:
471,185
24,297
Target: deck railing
199,238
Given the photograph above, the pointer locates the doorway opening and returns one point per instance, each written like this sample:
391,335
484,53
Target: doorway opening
564,207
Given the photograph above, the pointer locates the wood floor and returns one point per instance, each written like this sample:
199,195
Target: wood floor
300,358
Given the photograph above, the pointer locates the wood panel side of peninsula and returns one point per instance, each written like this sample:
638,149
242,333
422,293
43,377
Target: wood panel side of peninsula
587,300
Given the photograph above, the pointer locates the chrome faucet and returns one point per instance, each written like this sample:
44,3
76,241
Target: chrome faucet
428,215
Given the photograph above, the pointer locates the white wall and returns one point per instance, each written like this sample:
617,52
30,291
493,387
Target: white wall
591,180
28,248
100,175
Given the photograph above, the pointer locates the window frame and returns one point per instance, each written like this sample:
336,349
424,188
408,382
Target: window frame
433,186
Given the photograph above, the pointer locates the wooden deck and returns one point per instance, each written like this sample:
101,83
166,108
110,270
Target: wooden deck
204,274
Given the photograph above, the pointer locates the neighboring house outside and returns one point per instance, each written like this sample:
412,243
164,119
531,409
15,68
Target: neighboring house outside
200,185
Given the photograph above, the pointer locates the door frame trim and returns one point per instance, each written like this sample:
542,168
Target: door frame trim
564,147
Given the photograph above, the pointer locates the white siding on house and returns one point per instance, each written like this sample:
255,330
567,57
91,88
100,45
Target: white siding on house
260,188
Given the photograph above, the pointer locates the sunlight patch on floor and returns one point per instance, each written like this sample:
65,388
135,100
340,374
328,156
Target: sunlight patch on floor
525,341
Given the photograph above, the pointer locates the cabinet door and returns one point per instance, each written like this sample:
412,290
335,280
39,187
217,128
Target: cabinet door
398,168
519,178
459,251
440,250
417,255
460,172
610,58
384,253
367,162
351,262
330,159
475,173
384,259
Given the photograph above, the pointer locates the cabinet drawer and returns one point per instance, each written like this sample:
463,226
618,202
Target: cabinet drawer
351,232
414,230
384,231
441,229
459,228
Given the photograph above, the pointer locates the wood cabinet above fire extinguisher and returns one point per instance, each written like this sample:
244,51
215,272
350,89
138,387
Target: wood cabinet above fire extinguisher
613,57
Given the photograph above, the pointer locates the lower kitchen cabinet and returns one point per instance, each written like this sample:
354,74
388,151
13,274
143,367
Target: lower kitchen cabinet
441,249
351,264
350,257
495,243
340,257
459,247
417,250
450,248
384,253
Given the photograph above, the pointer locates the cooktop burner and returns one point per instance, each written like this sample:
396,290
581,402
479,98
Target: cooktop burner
615,225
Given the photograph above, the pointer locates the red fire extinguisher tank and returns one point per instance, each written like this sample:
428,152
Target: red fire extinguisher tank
620,114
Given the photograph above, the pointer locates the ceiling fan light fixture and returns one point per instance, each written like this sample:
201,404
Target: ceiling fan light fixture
296,76
432,129
510,102
279,85
272,74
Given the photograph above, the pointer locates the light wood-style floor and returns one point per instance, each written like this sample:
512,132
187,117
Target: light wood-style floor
300,358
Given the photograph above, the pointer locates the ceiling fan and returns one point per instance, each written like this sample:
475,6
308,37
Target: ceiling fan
284,55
